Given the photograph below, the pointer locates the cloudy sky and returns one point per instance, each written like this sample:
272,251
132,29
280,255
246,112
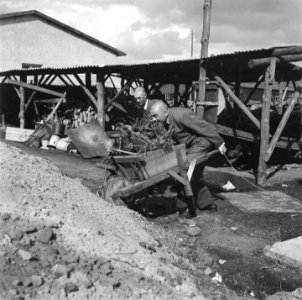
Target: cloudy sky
158,29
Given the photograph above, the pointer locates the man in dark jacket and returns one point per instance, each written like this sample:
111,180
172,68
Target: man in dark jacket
198,135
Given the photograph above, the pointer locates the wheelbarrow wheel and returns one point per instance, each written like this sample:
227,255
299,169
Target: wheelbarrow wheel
110,190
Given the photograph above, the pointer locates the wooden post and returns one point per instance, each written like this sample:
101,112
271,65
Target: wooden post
88,79
101,100
176,89
265,116
22,103
204,53
281,126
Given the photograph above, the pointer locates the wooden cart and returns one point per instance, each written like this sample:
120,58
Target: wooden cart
147,169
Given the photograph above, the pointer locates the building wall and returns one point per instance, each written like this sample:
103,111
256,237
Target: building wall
37,42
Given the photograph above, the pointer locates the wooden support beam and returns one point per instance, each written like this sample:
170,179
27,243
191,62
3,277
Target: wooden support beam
266,61
90,95
80,81
22,104
239,103
204,53
176,88
3,80
34,87
281,126
125,87
54,111
18,92
247,99
63,80
69,79
287,50
88,79
52,80
101,100
46,79
265,116
30,100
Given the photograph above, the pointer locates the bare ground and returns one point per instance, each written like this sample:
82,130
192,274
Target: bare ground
78,246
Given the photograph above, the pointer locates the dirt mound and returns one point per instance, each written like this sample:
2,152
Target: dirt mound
58,240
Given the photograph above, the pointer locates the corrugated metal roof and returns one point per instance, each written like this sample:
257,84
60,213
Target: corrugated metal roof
232,66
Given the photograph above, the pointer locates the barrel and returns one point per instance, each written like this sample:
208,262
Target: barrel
53,141
63,145
58,129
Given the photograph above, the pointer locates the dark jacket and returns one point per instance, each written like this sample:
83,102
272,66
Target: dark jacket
188,128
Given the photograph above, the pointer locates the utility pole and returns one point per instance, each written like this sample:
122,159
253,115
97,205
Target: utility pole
204,53
192,42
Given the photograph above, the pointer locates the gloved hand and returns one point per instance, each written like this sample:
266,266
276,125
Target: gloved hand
222,149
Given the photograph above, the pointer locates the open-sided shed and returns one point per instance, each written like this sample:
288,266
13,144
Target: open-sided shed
266,67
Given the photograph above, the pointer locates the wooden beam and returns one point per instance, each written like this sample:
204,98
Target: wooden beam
63,80
204,53
34,87
253,90
101,100
281,126
52,80
266,61
22,104
90,95
80,81
30,100
18,92
56,108
46,79
287,50
125,87
239,103
88,79
69,79
283,142
265,116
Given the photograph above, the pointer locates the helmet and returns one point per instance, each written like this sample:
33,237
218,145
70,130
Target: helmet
139,92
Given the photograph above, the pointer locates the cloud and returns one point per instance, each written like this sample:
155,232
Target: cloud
156,29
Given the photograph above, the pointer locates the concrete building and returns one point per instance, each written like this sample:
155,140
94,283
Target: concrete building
32,39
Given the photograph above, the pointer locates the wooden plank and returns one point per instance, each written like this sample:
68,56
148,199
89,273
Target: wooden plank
250,137
265,116
17,134
177,177
141,185
281,126
51,101
34,87
239,103
128,159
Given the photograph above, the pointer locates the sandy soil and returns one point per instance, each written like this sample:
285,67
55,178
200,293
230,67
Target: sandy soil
59,240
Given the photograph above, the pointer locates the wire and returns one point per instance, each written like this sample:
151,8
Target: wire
254,185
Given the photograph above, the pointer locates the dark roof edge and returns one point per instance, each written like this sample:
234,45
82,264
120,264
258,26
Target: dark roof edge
61,25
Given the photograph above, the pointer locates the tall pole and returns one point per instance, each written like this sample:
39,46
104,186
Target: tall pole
265,116
204,53
192,41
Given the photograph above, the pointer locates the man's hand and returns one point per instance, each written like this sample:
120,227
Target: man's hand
222,149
